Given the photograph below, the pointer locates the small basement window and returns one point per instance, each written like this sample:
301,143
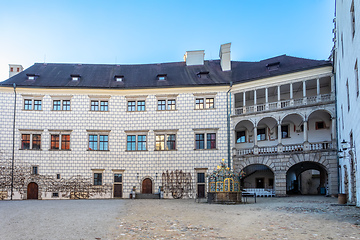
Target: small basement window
55,194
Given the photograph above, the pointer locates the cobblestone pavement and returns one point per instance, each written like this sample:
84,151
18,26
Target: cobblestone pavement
310,217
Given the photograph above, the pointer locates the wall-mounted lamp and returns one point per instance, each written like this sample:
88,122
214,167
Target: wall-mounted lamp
344,145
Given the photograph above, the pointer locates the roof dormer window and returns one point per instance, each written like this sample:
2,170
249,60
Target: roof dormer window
273,66
119,78
202,74
161,77
31,76
75,77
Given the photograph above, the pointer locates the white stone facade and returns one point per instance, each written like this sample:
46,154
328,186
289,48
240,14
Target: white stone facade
347,63
134,165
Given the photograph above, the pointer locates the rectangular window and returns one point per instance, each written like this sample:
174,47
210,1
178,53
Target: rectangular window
199,103
97,179
34,170
201,177
94,106
240,137
131,143
66,105
37,104
199,141
117,177
141,105
93,139
25,141
284,131
209,103
319,125
65,142
131,106
171,104
141,142
211,141
171,142
36,141
56,105
104,106
104,143
28,104
161,105
160,142
58,176
261,134
55,141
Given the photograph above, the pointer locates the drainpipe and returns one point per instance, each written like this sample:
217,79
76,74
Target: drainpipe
228,112
13,150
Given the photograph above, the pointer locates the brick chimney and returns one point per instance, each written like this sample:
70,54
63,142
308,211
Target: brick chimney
194,57
225,59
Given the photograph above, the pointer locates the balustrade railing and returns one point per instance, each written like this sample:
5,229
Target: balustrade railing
265,150
246,151
293,148
285,104
320,146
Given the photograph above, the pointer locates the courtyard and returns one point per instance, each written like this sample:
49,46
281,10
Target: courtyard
297,217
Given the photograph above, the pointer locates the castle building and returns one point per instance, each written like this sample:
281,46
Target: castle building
346,63
105,131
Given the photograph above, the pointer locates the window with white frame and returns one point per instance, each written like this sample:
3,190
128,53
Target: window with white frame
165,140
30,139
206,101
136,103
32,102
166,103
98,140
61,103
35,169
136,141
60,139
205,139
99,103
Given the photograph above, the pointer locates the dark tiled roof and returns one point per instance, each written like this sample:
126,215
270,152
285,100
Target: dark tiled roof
146,75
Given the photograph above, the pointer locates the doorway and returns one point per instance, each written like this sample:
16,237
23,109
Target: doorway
147,186
32,191
260,183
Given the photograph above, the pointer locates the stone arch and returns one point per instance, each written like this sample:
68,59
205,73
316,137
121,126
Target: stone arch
262,160
320,126
262,120
294,113
246,127
258,176
300,174
321,110
147,184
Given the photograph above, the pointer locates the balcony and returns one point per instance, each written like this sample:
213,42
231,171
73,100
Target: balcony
293,148
286,104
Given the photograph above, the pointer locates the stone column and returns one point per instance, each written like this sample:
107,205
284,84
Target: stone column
306,143
266,99
333,132
318,98
280,182
255,107
304,92
244,102
278,96
291,95
279,146
256,149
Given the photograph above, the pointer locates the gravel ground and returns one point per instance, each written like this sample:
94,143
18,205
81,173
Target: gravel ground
302,217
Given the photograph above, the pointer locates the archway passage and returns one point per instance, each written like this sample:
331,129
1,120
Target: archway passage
32,191
307,178
147,186
257,176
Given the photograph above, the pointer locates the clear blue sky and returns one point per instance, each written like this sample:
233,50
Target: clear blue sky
132,32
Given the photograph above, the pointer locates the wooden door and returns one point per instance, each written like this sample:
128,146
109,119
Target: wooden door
201,190
147,186
32,191
118,190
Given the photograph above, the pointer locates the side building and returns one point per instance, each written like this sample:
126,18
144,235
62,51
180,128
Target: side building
102,131
346,63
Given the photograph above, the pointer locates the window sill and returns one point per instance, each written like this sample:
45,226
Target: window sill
65,150
166,110
205,149
166,150
136,111
98,150
30,110
98,111
204,108
30,149
52,110
136,150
